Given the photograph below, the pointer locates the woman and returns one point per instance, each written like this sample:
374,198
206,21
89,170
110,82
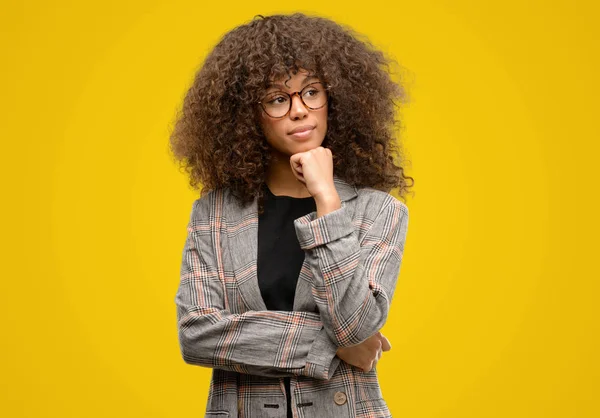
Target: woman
295,245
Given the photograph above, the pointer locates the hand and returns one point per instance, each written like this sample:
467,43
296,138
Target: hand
366,354
314,168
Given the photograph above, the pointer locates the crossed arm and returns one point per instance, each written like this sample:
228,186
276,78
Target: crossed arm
351,281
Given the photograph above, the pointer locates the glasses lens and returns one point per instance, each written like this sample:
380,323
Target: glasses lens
314,95
277,104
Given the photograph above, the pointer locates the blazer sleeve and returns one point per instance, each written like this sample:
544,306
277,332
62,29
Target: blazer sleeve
266,343
354,281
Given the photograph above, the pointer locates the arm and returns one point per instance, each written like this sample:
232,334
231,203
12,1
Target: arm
267,343
354,281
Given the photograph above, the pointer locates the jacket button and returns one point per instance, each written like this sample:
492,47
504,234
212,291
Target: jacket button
340,398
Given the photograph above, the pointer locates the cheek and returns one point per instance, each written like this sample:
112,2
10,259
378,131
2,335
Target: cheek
271,129
323,121
265,125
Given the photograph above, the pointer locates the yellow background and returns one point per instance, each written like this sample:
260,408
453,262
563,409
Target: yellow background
495,313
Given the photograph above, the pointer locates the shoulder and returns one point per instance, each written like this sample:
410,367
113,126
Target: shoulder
203,208
372,202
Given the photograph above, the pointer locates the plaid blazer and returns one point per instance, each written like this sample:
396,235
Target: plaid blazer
346,284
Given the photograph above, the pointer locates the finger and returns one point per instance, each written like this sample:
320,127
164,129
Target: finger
297,172
385,343
296,165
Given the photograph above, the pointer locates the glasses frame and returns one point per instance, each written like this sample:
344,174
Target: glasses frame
292,94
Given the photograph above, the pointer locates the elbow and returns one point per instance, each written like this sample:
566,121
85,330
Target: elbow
184,348
198,333
195,356
187,358
194,360
191,348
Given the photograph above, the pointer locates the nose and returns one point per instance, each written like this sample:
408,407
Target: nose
298,110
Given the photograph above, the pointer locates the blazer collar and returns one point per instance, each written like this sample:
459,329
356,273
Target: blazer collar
242,245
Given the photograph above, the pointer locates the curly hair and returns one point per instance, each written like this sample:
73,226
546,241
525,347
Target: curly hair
218,140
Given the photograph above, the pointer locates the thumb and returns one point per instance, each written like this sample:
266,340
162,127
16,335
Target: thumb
385,343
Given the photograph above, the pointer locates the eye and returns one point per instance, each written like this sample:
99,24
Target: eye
277,99
311,92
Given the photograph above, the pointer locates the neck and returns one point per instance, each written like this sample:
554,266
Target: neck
281,180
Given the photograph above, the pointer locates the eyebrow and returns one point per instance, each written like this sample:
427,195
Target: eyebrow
307,78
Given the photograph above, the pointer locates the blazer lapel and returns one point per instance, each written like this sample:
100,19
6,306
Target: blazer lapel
242,244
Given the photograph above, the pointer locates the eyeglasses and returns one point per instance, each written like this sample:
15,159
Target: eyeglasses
279,103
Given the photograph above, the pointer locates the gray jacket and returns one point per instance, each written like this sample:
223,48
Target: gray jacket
346,284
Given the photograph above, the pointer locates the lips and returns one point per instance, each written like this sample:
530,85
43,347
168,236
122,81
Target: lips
302,128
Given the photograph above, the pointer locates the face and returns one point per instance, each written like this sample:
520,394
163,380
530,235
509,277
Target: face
279,131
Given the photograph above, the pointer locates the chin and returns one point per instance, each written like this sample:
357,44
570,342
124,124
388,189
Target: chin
307,145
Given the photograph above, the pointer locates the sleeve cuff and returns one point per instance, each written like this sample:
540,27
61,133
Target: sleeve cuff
322,361
312,231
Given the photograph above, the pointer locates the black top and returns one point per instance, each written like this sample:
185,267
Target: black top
280,257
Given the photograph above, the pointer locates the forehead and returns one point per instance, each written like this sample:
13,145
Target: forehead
302,77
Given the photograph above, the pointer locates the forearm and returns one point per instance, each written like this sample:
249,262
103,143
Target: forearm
353,281
268,343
